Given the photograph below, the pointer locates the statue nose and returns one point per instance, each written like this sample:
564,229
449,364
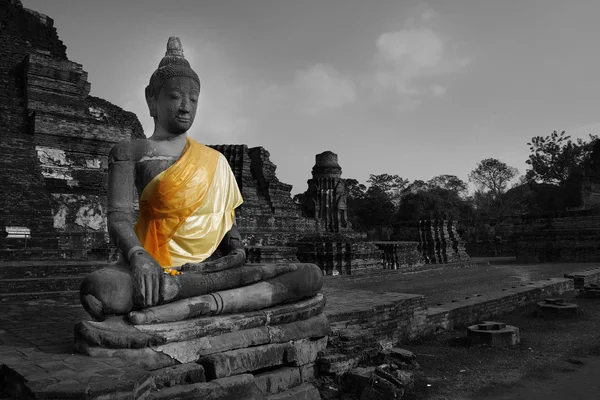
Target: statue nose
185,105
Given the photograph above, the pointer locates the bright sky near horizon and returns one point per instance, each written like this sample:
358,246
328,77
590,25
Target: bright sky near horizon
412,88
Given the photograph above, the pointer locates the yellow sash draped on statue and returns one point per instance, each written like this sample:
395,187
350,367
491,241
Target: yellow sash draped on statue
187,209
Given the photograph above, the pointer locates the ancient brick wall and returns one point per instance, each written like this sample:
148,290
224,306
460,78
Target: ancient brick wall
439,241
55,141
338,255
561,236
268,216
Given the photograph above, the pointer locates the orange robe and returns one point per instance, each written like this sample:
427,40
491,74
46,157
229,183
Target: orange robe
187,209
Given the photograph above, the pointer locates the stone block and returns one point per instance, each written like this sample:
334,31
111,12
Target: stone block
181,374
305,352
305,391
192,350
494,334
338,364
239,387
239,361
402,355
278,380
309,372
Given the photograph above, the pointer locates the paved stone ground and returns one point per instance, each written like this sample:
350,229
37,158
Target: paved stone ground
36,336
444,283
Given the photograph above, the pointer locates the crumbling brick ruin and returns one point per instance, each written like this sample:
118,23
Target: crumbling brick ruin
55,142
439,241
55,139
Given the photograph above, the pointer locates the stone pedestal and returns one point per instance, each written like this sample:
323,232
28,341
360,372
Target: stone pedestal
246,356
494,334
556,307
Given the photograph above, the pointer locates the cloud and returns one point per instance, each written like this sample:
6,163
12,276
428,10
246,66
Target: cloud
312,90
438,90
322,87
412,62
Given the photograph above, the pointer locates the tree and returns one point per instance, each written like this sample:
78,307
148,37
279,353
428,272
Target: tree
374,210
391,185
440,197
354,189
448,182
493,175
555,158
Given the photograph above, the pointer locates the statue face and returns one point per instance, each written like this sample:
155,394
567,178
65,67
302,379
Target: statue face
175,107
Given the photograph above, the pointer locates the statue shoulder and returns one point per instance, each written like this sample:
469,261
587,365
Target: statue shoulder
131,150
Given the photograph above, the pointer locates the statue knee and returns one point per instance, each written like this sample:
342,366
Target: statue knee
107,292
306,280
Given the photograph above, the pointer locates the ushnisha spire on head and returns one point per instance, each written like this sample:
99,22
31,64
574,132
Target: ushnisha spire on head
172,64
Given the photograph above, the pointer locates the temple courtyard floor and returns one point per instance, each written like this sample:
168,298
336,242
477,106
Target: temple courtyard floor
556,358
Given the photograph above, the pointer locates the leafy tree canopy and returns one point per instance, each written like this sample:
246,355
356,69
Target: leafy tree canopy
493,175
556,158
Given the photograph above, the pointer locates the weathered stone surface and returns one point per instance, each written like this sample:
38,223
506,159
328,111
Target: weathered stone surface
494,334
182,374
439,241
251,359
556,307
188,329
305,391
118,333
54,152
268,216
192,350
338,364
239,387
305,352
278,380
243,360
561,236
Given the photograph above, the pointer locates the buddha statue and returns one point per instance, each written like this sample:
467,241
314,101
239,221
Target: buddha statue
184,256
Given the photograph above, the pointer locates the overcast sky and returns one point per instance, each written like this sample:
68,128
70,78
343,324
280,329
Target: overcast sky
400,87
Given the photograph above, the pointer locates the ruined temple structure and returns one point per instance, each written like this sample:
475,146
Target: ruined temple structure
569,235
560,236
325,200
439,242
54,142
54,147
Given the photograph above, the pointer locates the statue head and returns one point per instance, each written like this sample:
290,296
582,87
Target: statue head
173,91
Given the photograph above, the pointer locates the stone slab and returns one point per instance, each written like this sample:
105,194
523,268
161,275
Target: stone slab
118,333
64,376
182,374
278,380
305,352
305,391
239,387
239,361
192,350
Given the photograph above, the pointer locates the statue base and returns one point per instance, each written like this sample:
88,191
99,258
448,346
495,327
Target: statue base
260,353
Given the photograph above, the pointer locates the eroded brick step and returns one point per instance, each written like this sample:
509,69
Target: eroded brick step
46,269
36,285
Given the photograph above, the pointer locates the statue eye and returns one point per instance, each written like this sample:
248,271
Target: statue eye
193,99
175,96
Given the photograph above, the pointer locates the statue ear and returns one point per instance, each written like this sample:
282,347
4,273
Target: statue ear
151,101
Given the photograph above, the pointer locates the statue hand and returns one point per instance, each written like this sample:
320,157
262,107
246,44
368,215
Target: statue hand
146,273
